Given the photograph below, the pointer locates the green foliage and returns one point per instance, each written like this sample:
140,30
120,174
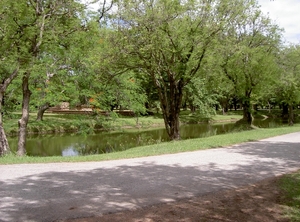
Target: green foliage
167,41
247,53
41,37
160,54
120,91
288,83
201,98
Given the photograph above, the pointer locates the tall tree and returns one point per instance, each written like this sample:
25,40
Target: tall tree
167,40
288,82
4,147
9,61
37,27
248,60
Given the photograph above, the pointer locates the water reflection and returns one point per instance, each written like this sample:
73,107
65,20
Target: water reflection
103,142
71,151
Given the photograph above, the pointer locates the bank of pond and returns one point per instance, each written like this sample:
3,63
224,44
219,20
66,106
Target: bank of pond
106,142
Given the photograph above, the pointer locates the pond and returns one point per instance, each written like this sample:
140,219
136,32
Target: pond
105,142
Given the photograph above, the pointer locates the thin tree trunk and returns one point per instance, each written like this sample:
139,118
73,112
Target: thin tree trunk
223,111
291,115
235,104
41,111
4,147
37,42
224,104
25,116
285,111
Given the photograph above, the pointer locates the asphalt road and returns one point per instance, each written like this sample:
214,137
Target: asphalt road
50,192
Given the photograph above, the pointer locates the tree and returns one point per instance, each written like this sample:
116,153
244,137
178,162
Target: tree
122,91
55,86
36,27
96,80
57,79
250,45
200,97
288,82
221,90
4,147
167,40
9,63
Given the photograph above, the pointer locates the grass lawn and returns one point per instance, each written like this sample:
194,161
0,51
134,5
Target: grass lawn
290,184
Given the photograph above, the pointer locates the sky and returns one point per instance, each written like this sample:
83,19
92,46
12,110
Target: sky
285,13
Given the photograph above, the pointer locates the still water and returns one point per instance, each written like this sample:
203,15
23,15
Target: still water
104,142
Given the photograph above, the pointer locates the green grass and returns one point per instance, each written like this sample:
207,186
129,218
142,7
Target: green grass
163,148
187,117
290,184
225,118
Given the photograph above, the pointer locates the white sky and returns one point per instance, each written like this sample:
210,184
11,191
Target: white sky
285,13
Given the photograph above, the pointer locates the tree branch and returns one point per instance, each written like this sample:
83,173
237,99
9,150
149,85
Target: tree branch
8,80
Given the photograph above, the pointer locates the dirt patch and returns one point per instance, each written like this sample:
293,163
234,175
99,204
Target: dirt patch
259,202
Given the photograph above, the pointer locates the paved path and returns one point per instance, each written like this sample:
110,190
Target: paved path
49,192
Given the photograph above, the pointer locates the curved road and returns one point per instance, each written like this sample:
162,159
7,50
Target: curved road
51,192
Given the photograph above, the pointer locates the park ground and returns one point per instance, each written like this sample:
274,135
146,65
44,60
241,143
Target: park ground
265,201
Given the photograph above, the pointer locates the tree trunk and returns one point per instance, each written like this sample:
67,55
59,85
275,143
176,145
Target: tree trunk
173,124
255,107
171,99
41,111
247,117
269,107
285,111
184,106
234,104
224,104
223,111
291,115
171,120
4,147
192,108
25,116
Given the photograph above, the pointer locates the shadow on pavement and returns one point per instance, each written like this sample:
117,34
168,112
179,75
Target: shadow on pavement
58,195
